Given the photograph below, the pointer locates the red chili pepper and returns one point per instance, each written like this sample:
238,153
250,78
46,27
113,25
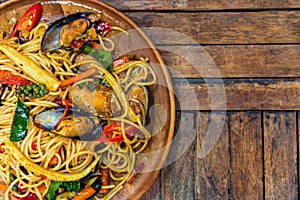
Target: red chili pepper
120,62
30,196
1,149
8,77
110,128
130,131
66,102
21,188
29,20
34,146
62,102
77,44
43,177
101,27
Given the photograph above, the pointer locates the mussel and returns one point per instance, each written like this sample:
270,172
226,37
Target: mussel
72,123
71,26
95,100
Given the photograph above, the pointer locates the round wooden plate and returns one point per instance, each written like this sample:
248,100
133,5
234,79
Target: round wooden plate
162,116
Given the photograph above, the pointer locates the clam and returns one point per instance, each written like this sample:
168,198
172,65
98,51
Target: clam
74,123
64,30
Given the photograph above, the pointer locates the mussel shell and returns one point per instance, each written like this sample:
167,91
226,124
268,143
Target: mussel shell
94,134
51,38
48,119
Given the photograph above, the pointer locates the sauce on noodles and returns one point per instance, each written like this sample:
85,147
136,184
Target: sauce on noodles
44,158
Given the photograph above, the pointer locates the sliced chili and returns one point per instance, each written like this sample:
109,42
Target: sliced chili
8,77
29,20
108,131
120,61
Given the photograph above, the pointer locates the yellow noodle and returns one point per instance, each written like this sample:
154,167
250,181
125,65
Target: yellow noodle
73,155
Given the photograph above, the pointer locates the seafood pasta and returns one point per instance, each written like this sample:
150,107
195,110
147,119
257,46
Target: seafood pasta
72,114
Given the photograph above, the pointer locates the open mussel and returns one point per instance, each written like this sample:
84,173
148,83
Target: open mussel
94,99
69,123
63,31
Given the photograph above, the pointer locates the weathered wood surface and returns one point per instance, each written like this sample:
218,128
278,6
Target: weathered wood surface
212,164
221,27
280,155
246,155
196,4
233,61
202,4
179,176
239,95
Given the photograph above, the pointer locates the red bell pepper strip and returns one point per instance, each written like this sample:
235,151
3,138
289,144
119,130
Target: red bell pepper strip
29,20
8,77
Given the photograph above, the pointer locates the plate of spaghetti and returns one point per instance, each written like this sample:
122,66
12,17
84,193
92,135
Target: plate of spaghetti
87,108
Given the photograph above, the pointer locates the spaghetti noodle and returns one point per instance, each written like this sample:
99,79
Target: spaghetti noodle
43,157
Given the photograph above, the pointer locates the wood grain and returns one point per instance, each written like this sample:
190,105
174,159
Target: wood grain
179,181
232,61
221,27
212,164
239,95
154,193
196,4
280,155
246,153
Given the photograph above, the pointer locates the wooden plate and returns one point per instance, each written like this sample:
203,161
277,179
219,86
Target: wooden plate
162,116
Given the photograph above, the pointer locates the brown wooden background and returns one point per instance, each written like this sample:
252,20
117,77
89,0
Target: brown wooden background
256,47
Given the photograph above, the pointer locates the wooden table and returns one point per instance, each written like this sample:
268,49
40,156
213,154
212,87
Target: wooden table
255,47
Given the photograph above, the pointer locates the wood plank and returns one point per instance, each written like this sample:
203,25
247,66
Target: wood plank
154,193
280,155
221,27
247,155
232,61
196,4
244,95
179,175
212,167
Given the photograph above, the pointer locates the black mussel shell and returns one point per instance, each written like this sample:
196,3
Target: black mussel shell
48,119
51,38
